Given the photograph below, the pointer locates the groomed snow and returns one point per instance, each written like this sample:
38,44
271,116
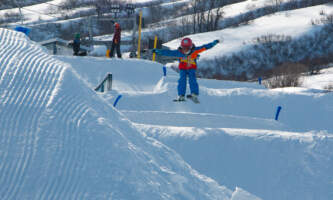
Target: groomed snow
232,135
61,140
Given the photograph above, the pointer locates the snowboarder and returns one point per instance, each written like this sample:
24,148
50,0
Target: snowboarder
76,44
116,41
187,54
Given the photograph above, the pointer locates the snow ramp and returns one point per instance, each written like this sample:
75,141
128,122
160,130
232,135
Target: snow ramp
231,136
60,140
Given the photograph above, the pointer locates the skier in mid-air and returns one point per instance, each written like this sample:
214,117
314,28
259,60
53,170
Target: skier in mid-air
187,54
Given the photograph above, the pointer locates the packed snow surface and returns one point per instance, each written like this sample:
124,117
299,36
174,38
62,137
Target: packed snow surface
232,135
61,140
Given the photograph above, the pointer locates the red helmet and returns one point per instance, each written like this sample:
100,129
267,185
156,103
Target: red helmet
186,43
116,25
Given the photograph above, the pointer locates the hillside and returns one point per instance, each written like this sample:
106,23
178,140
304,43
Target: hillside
60,139
72,130
257,35
232,135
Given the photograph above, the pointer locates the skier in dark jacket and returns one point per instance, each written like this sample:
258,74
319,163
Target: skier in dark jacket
116,41
187,54
76,44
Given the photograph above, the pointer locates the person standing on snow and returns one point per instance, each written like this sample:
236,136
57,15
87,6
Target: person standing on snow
116,40
187,54
76,44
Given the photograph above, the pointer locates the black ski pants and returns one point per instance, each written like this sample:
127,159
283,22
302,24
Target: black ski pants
117,46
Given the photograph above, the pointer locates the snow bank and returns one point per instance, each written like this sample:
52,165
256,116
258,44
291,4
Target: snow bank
231,136
270,164
60,140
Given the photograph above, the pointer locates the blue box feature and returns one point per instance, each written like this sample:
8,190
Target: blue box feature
22,29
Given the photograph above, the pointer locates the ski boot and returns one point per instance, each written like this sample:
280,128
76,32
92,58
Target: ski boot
179,98
193,97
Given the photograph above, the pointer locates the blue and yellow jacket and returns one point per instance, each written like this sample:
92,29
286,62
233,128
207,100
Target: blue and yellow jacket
186,61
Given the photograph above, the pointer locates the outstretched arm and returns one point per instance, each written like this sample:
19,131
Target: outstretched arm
170,53
203,48
208,46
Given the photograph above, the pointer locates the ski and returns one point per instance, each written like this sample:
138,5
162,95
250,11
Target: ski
177,100
194,99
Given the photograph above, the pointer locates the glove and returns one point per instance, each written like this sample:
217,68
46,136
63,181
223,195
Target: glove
216,41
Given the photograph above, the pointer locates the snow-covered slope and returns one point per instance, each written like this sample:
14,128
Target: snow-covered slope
60,140
143,86
290,23
238,53
231,136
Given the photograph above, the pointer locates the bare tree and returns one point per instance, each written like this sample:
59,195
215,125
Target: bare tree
195,7
215,17
206,15
156,12
185,25
277,3
286,75
4,4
